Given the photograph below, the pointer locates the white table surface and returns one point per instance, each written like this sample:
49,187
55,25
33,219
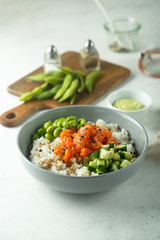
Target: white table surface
29,210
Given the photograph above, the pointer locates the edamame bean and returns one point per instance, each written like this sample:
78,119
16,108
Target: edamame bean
59,123
55,122
79,126
71,118
47,124
66,124
57,132
73,123
90,79
50,129
41,132
49,137
35,136
82,121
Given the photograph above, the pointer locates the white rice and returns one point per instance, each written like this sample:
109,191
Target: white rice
42,152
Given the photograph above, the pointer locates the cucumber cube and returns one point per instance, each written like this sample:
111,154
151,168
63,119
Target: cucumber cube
86,161
125,155
105,154
100,169
114,168
94,154
100,162
124,163
111,145
133,159
92,166
116,157
121,147
105,146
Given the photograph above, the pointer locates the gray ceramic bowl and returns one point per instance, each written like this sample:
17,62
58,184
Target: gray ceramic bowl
76,184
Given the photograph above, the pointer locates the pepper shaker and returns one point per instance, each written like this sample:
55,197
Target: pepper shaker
89,57
52,59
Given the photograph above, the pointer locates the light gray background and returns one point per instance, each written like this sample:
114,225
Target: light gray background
28,210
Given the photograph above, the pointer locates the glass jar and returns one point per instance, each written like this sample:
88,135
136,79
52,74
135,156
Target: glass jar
125,37
89,57
52,59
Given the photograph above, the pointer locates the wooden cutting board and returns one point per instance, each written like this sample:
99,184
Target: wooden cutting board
112,75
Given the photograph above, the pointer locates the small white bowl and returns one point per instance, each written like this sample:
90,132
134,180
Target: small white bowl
140,96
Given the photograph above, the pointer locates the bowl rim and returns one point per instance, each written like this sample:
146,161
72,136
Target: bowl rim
79,106
146,106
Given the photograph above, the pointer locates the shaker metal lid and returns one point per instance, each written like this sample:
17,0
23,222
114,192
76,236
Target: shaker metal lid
52,51
149,63
89,46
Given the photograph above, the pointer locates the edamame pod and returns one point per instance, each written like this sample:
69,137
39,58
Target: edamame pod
26,96
44,95
48,94
40,89
59,74
70,91
81,85
74,73
53,79
80,73
65,85
67,70
90,79
55,88
38,77
73,98
29,95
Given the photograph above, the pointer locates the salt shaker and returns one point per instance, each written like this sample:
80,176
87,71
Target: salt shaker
52,59
89,57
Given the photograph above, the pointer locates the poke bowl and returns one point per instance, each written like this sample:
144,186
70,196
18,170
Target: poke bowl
82,149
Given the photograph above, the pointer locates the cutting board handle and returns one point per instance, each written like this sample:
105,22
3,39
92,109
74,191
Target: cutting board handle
16,115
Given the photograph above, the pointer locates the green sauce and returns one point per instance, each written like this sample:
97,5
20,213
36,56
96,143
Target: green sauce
128,104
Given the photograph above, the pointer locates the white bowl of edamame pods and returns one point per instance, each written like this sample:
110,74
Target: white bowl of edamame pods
98,181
